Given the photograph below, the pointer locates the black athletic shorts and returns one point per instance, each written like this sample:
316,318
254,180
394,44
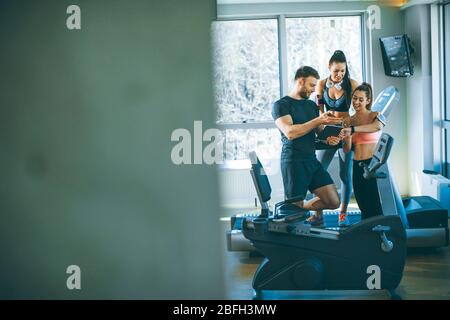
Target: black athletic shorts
299,176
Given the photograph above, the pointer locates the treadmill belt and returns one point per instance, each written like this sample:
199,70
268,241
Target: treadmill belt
330,219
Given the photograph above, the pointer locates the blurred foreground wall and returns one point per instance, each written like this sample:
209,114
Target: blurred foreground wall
85,168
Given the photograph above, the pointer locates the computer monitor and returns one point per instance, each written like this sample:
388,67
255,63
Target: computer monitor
396,51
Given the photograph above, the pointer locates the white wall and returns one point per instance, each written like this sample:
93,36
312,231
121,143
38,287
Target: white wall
421,130
392,23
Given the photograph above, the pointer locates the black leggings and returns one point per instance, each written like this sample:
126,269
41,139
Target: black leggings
366,192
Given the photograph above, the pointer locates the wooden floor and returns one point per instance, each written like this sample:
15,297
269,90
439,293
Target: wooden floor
426,276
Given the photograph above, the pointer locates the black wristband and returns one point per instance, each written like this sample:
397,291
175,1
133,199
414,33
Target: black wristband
353,129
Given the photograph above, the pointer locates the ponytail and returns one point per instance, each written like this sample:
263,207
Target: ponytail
339,57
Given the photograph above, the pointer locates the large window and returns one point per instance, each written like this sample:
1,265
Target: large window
246,70
312,41
239,142
254,65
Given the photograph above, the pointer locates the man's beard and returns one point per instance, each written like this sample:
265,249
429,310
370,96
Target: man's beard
304,94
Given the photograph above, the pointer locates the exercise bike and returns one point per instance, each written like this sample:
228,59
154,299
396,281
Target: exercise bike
301,257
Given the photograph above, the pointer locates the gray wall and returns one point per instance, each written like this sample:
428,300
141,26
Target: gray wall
418,87
87,178
392,23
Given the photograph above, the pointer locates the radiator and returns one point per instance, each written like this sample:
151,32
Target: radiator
237,189
437,187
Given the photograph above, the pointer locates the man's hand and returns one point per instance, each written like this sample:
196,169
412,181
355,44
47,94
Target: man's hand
329,118
333,141
346,132
347,122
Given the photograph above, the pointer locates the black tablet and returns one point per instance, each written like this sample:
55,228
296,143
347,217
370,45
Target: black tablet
329,131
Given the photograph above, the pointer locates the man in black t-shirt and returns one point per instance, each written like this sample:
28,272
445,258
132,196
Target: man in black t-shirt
298,119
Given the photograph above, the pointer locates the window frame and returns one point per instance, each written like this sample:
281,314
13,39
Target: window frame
445,123
261,124
366,57
440,94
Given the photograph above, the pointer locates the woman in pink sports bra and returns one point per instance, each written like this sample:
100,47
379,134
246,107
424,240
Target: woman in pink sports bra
363,144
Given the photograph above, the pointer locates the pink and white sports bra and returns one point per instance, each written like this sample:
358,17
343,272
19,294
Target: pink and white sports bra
366,137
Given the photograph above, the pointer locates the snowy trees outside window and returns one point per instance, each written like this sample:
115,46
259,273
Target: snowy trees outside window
246,72
312,41
246,69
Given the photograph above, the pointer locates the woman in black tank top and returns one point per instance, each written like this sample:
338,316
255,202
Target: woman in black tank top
334,94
